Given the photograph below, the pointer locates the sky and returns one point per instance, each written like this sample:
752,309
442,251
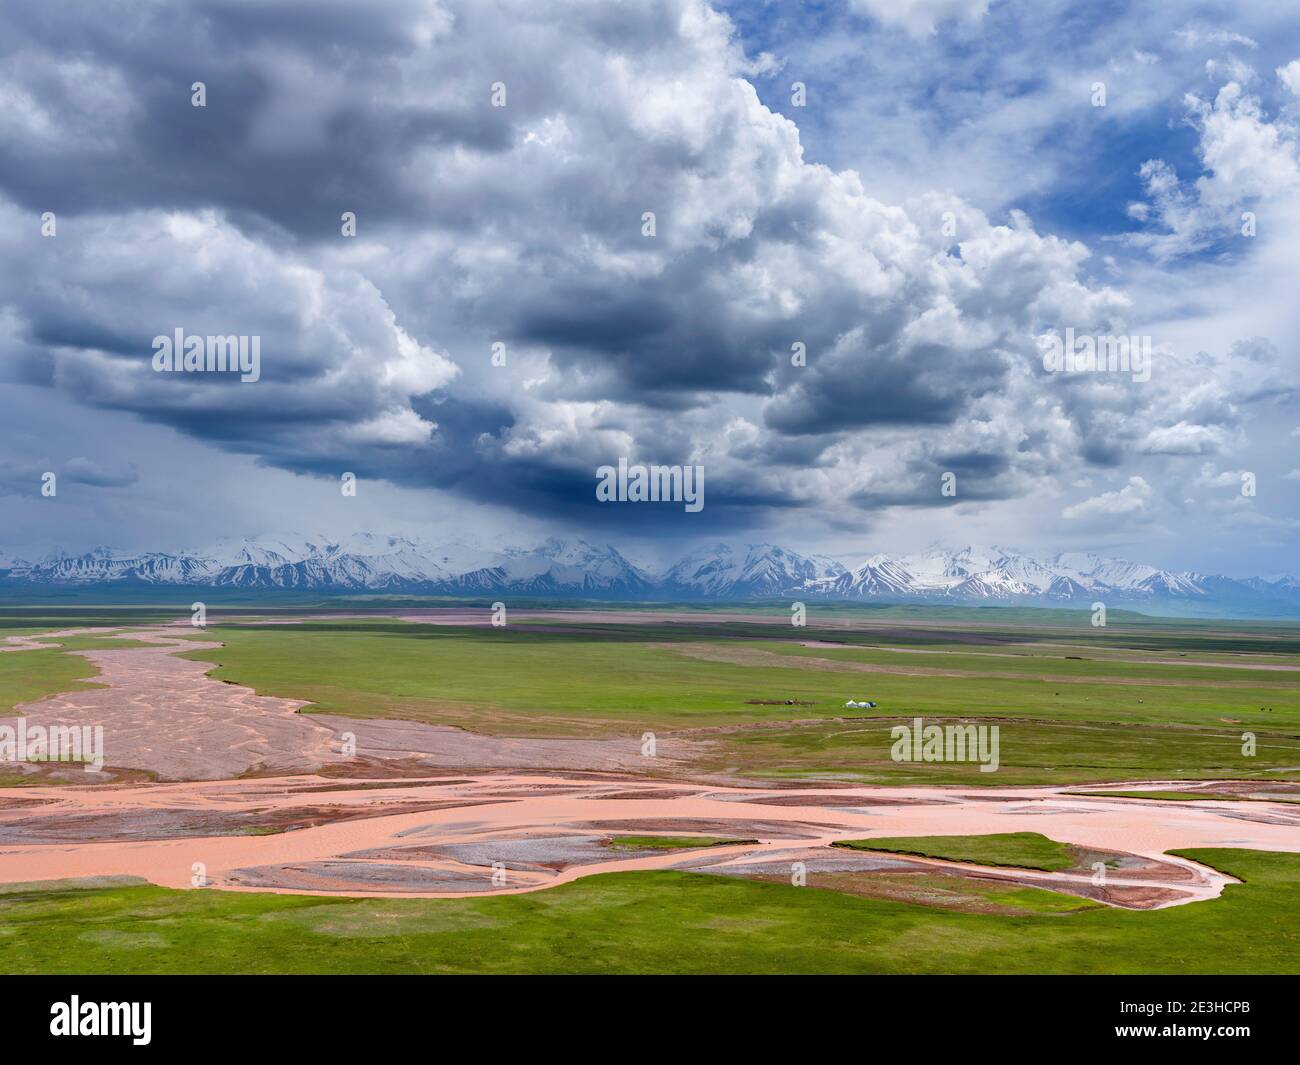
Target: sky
870,220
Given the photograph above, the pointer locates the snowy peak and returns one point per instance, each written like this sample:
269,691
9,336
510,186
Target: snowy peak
721,571
879,576
557,567
1111,572
707,570
575,567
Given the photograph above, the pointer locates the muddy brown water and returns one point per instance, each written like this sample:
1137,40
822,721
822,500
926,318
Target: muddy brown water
428,830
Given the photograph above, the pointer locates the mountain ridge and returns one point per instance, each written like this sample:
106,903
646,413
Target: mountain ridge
718,571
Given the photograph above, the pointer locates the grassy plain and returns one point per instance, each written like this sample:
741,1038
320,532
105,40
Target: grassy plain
1072,706
28,675
1139,699
1024,850
648,922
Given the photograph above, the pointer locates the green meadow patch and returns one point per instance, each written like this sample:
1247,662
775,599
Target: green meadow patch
1023,850
26,676
650,922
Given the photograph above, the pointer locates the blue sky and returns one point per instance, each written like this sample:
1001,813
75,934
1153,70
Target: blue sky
948,196
949,78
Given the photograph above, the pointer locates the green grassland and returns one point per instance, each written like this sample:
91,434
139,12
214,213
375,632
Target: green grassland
1024,850
947,890
648,922
1033,752
1138,699
387,668
29,675
1090,721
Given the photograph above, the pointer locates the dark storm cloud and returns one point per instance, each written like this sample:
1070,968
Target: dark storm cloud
854,387
280,135
665,342
567,494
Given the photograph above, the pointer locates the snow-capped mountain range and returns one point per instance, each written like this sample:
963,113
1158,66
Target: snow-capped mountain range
575,568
